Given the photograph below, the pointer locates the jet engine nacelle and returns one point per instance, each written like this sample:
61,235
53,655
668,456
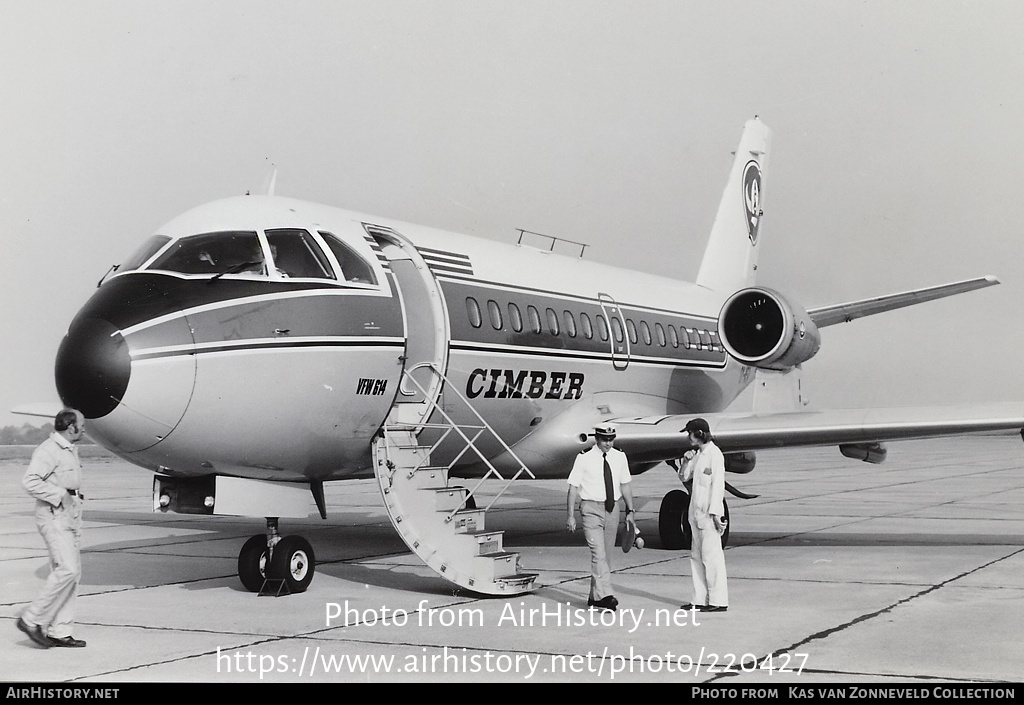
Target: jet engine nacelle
868,452
740,463
760,328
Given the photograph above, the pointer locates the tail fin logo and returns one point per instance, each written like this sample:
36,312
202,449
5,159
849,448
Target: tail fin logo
752,198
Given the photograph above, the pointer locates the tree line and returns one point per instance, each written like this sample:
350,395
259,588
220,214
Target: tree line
26,435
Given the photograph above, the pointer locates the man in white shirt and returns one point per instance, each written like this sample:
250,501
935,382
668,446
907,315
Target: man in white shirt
705,466
54,478
599,478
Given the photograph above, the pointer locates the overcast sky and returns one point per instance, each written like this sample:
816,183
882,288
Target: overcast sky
896,159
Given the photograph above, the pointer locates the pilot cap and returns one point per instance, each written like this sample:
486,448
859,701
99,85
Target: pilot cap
697,425
606,431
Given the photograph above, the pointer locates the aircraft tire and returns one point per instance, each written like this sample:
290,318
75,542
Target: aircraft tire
293,560
252,563
673,525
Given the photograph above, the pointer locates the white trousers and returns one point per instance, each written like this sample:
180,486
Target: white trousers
707,564
54,609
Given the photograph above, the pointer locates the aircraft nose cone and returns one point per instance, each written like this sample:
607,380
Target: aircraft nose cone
93,366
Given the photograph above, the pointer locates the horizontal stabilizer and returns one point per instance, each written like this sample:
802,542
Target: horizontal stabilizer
659,438
844,313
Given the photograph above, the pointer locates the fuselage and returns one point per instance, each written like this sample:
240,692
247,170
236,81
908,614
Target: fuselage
266,337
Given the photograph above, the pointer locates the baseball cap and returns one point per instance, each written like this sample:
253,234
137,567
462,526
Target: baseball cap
697,425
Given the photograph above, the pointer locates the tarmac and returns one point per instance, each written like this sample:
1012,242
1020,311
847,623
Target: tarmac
908,572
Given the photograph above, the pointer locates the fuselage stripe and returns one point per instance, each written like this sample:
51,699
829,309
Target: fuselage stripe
263,345
583,355
249,300
437,268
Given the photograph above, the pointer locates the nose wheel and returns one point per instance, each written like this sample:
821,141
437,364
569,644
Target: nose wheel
293,561
252,563
271,557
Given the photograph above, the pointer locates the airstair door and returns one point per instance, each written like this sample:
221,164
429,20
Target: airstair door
426,323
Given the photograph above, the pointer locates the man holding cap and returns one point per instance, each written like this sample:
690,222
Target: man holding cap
599,477
705,465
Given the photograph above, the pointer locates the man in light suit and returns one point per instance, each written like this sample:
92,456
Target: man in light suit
705,466
54,479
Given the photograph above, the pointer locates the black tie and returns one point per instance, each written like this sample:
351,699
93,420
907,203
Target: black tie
609,493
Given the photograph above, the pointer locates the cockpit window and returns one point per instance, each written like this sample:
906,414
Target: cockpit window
353,267
149,248
296,254
214,253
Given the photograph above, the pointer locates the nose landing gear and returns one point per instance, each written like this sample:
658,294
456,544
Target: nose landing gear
287,559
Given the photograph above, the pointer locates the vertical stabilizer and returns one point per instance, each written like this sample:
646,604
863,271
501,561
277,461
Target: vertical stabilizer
730,260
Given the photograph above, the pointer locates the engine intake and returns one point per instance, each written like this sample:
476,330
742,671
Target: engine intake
761,328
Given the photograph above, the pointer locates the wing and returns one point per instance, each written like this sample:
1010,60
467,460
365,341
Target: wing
652,439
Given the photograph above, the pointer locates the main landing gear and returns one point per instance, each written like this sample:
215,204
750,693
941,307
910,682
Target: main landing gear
272,557
673,524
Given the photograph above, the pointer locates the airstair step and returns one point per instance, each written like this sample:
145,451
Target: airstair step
518,584
488,542
428,476
447,499
500,565
468,521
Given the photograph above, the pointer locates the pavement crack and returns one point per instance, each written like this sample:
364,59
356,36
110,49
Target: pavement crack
825,633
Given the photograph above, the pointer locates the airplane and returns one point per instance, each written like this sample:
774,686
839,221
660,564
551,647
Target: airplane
259,346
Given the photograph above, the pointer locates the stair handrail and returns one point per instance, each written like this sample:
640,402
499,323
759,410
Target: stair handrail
469,443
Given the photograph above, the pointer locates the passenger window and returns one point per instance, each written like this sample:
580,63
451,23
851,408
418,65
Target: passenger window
494,311
214,253
515,318
587,326
473,311
354,268
570,323
673,337
534,315
552,321
602,328
705,339
715,344
631,329
617,329
659,330
693,337
297,255
645,332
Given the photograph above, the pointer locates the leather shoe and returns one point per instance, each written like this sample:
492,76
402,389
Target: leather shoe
688,606
605,603
67,641
713,608
35,633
